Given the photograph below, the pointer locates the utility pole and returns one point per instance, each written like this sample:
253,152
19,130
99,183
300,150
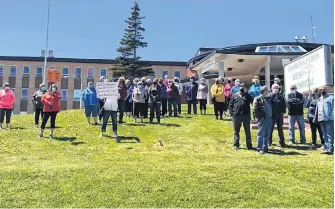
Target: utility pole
46,49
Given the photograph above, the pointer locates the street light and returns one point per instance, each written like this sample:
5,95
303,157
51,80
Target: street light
46,48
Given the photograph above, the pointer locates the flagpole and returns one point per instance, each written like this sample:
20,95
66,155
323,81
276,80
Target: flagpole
46,48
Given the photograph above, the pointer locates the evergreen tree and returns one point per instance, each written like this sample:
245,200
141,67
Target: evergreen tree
130,65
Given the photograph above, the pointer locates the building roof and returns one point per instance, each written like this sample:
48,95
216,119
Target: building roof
81,60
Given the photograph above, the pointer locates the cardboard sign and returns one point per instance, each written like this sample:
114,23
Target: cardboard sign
54,76
107,90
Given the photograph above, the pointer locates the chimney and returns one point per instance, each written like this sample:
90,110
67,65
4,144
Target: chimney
51,53
42,53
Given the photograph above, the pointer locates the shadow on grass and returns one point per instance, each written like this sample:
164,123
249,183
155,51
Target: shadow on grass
128,139
48,127
281,152
165,124
77,143
16,128
71,139
298,147
135,124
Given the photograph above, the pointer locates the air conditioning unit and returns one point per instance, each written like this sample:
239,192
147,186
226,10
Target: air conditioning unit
51,53
42,53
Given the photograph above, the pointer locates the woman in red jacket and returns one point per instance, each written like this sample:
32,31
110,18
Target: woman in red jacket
51,101
7,100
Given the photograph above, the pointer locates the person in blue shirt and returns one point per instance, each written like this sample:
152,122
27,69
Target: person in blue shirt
324,114
89,96
236,87
255,89
191,92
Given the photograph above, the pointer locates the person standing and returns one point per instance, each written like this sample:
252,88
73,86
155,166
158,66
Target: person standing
202,95
255,89
89,96
227,91
295,103
172,96
37,103
191,92
277,81
239,109
315,125
263,110
235,88
155,101
325,116
139,96
148,83
7,100
110,110
129,99
122,100
279,106
180,90
101,100
217,92
163,96
51,101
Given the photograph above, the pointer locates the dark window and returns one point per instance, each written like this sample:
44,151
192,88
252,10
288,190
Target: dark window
90,73
12,71
65,72
165,73
1,70
78,73
103,72
39,71
24,94
26,70
177,74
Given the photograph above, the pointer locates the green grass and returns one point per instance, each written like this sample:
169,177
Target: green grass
195,167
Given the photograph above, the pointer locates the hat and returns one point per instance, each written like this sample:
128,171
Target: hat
256,77
237,80
5,84
102,78
41,85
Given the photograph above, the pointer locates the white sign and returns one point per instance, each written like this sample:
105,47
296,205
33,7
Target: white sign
308,71
107,90
208,67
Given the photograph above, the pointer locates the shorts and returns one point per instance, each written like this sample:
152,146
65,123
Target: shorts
91,110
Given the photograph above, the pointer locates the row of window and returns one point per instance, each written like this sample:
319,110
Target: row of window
63,92
65,71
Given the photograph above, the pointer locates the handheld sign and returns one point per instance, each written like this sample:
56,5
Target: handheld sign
54,76
107,90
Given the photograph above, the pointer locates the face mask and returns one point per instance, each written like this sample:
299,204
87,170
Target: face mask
191,80
217,82
43,88
53,89
266,94
323,92
253,83
6,88
293,91
275,91
155,83
90,86
139,86
242,90
237,83
229,81
160,82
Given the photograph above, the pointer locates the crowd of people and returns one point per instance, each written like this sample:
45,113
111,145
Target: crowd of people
163,97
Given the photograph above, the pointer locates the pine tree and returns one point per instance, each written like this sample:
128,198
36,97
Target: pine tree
130,65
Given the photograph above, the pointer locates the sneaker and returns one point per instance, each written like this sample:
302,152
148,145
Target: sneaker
236,148
40,135
116,136
51,137
36,126
313,147
270,145
261,152
101,135
96,123
323,147
291,143
282,145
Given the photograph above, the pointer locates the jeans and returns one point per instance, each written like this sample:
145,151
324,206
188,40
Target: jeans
146,108
263,135
314,127
7,113
202,104
301,123
328,132
46,116
164,106
139,109
237,123
279,120
155,108
191,103
179,104
113,115
172,102
38,112
121,106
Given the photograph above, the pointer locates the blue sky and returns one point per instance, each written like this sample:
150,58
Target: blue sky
175,29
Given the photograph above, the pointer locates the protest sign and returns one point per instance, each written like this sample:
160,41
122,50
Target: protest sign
107,90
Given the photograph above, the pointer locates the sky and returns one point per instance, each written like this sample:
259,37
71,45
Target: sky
175,29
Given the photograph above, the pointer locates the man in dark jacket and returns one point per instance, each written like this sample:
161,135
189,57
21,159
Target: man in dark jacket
264,114
279,107
191,92
37,102
239,109
155,100
163,96
295,104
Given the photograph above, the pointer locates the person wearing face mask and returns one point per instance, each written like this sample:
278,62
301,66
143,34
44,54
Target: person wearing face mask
264,113
163,96
128,100
146,106
191,92
315,125
217,92
89,96
155,101
37,103
122,100
295,104
7,100
180,90
166,80
51,101
227,91
239,109
235,88
172,96
279,106
139,96
255,89
324,114
202,95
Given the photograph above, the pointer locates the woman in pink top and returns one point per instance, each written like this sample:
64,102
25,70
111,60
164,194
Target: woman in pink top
7,100
227,91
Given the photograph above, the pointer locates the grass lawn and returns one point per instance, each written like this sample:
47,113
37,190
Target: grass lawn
185,162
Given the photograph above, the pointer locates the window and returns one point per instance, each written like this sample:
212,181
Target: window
77,95
78,73
280,49
262,49
63,94
177,74
90,73
65,72
1,70
287,48
12,71
272,49
165,73
103,72
298,49
26,70
39,71
24,94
